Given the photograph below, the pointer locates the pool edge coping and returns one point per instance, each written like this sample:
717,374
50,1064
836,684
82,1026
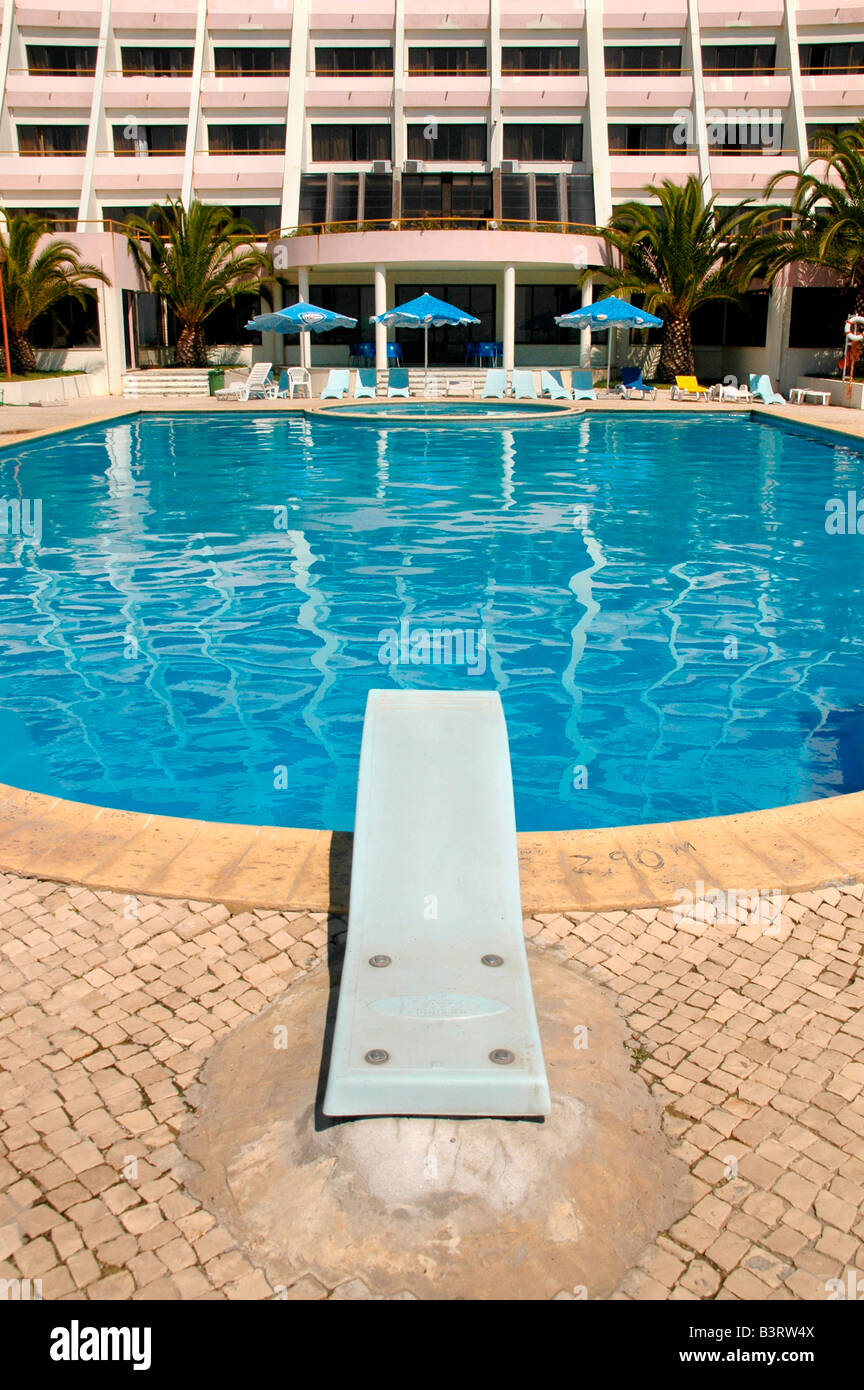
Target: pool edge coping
790,849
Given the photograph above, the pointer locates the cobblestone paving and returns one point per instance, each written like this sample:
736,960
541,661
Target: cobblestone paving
109,1005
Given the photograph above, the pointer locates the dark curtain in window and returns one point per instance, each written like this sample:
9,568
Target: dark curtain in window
719,58
553,143
60,60
139,61
536,309
67,324
246,139
150,139
546,61
644,139
446,62
334,144
447,143
313,199
831,57
252,62
52,139
354,62
633,59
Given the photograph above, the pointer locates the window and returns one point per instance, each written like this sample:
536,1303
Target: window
247,139
551,143
816,133
341,144
355,301
156,62
67,324
450,144
539,198
635,60
150,139
817,318
262,217
430,196
819,58
557,61
61,219
378,199
344,198
354,62
121,215
313,200
227,324
52,139
252,62
447,62
537,307
743,138
731,325
644,139
722,58
149,320
448,344
580,199
60,60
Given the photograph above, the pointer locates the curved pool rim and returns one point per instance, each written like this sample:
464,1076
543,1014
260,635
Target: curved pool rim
791,848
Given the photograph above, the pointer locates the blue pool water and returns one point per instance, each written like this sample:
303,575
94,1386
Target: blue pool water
671,628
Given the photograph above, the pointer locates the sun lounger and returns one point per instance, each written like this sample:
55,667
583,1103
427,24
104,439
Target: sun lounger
523,385
552,386
761,387
495,384
397,382
687,388
631,380
583,386
365,384
259,382
338,382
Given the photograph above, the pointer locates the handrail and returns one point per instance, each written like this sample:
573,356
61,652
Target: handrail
652,72
355,72
658,149
271,72
50,72
432,222
141,154
149,72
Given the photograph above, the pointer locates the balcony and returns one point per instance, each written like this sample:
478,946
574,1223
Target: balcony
558,93
226,173
141,17
156,174
374,14
631,172
49,14
226,15
637,91
456,241
352,92
748,89
646,14
30,173
716,14
563,14
244,93
832,89
24,92
747,173
432,15
439,93
146,93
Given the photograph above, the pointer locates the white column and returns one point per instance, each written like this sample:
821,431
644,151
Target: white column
110,299
777,334
98,126
789,56
496,123
697,110
380,308
303,293
595,67
295,114
509,317
585,333
399,134
194,120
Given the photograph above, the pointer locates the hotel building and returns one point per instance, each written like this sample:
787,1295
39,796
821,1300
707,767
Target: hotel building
391,146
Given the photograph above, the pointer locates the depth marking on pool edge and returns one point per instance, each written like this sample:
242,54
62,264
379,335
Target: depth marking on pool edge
436,1014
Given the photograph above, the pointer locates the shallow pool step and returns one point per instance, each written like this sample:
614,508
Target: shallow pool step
436,1014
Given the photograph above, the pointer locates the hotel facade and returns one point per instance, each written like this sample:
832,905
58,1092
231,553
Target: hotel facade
399,145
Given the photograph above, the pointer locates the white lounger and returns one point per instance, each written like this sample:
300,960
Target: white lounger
436,1014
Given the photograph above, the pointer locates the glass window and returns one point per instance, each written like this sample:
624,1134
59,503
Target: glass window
120,215
313,200
446,62
354,62
548,195
252,62
422,195
227,324
580,199
644,139
337,144
344,197
355,301
546,61
140,61
449,144
720,58
731,325
67,324
52,139
467,196
377,197
537,307
246,139
551,143
149,139
516,197
745,138
624,60
471,195
262,217
817,318
447,345
60,60
61,219
816,133
819,58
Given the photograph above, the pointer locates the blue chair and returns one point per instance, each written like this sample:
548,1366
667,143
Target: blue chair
583,386
366,384
761,387
394,352
397,384
552,386
631,380
523,385
338,383
495,384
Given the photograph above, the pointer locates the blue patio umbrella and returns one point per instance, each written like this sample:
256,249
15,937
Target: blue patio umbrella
609,313
425,312
301,318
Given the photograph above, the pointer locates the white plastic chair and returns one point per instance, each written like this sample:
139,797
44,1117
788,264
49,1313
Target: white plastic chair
295,379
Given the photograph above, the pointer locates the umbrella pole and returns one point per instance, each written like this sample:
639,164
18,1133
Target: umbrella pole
609,360
425,359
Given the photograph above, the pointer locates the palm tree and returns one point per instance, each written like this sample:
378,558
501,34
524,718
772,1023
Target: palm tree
680,254
197,259
36,277
827,215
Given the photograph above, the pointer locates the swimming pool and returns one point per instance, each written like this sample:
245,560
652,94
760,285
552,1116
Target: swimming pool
672,630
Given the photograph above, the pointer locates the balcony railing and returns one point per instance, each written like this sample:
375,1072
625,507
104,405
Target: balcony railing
432,223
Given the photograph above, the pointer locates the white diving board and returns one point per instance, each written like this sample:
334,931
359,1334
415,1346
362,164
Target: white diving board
435,1014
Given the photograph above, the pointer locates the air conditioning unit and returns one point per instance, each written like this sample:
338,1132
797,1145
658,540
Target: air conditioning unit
381,166
509,166
413,166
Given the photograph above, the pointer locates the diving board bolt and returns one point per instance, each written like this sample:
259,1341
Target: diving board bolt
502,1056
491,960
377,1057
379,962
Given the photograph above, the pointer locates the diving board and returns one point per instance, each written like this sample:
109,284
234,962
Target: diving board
435,1013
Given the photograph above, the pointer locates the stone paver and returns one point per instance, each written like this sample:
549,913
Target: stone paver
751,1036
